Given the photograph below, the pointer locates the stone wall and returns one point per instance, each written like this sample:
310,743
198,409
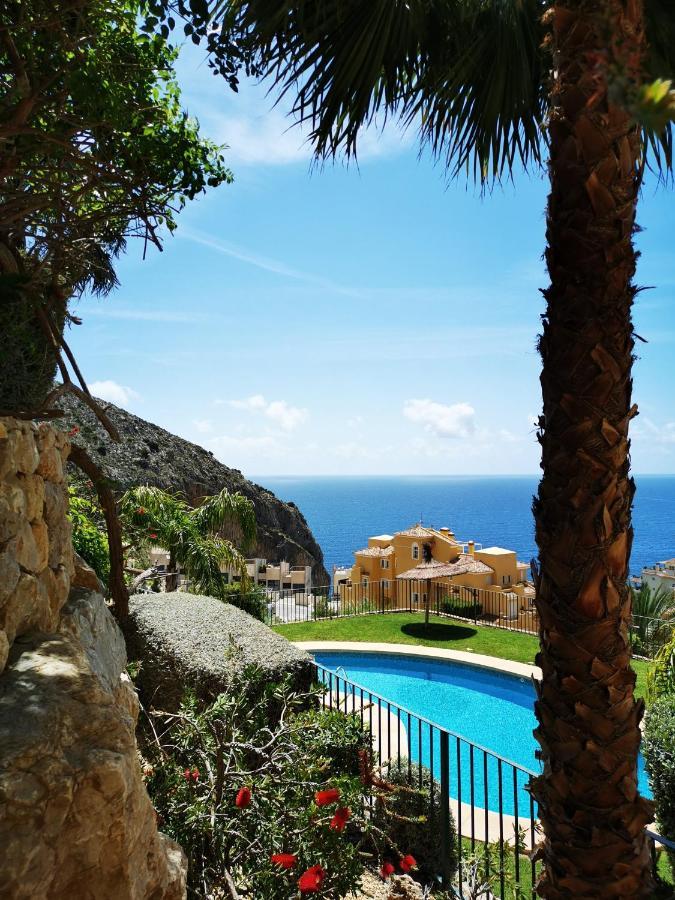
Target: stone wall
36,555
75,818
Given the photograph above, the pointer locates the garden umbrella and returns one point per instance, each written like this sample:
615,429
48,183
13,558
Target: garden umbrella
429,570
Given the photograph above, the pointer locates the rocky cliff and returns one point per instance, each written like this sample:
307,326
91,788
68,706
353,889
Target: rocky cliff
150,455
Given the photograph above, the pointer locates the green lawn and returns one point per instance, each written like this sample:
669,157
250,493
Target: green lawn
408,628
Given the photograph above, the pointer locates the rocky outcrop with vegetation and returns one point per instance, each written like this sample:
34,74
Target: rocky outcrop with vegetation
186,640
149,454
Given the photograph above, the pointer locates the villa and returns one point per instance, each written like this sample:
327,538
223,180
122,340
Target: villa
660,575
469,565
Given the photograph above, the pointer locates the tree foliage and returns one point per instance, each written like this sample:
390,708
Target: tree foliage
94,149
154,517
89,537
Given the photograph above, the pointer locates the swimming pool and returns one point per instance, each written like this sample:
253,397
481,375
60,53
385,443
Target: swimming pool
489,708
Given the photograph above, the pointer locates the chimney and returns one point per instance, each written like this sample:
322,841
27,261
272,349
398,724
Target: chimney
451,535
445,530
472,547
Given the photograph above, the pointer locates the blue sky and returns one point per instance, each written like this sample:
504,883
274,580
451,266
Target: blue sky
344,320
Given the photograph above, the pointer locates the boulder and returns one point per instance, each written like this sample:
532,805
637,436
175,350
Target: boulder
186,640
75,818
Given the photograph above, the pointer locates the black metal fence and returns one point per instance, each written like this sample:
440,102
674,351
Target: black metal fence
495,825
505,609
477,605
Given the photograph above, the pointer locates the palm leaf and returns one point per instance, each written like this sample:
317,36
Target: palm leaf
225,509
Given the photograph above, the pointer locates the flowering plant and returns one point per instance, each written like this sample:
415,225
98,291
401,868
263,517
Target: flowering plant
268,815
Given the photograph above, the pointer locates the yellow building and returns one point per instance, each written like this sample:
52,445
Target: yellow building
480,569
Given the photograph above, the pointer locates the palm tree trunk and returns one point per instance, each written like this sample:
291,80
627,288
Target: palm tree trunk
172,578
593,818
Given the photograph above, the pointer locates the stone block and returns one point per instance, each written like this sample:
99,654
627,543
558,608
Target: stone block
20,610
4,649
25,550
25,451
9,575
85,577
51,466
41,538
33,488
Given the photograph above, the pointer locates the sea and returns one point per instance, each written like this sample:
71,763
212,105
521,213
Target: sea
343,512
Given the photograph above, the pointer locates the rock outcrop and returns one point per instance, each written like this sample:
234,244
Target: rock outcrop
150,455
75,818
186,639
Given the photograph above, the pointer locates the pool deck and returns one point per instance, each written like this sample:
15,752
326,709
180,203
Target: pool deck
472,824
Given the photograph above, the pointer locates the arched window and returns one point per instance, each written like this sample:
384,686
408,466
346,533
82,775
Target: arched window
415,551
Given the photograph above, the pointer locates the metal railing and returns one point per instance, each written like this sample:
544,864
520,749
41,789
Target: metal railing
484,793
503,609
477,605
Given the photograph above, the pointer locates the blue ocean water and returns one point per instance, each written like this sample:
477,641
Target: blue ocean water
344,511
491,709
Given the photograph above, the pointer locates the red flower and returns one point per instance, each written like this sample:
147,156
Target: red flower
195,774
386,870
407,863
310,881
339,820
73,431
140,511
243,798
285,860
325,798
187,774
153,537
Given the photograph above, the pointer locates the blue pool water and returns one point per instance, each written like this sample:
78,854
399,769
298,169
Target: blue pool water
488,708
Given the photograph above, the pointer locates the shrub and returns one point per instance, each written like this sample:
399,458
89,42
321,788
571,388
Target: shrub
253,601
335,737
411,818
659,751
89,539
464,609
233,790
661,677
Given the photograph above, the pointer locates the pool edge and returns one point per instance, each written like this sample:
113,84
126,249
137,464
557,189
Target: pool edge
494,663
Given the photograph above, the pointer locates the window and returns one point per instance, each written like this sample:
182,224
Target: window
506,579
415,598
384,563
415,551
385,584
364,581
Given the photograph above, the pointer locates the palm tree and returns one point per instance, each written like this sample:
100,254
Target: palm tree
191,534
493,84
652,617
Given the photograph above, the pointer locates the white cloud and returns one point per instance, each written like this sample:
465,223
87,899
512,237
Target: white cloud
646,429
455,421
280,412
203,426
114,392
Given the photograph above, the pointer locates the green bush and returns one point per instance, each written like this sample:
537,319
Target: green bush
209,753
658,746
89,540
411,819
335,737
253,601
466,610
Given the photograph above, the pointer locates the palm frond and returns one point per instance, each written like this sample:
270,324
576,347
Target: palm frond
660,25
226,509
467,74
154,503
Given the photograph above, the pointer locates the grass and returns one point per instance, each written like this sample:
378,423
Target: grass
408,628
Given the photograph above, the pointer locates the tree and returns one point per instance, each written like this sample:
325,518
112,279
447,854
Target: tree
652,617
492,84
191,534
94,149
